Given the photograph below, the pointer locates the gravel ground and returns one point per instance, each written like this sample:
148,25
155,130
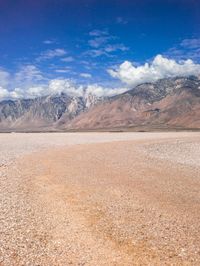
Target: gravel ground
180,151
13,145
117,199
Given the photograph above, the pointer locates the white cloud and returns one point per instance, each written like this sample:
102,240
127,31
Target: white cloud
49,41
67,59
160,67
54,86
98,32
107,50
24,77
66,85
98,41
17,85
103,91
191,43
85,75
103,44
29,82
187,48
63,85
28,74
96,53
115,47
57,86
4,78
4,93
49,54
63,71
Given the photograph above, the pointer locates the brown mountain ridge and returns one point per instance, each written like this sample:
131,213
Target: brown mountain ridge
166,104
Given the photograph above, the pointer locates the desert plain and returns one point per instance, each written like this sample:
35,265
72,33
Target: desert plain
100,198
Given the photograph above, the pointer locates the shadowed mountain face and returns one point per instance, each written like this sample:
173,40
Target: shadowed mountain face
167,103
41,113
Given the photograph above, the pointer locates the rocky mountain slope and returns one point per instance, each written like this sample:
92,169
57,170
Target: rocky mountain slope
48,112
167,103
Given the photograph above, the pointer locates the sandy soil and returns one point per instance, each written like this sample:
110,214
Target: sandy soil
100,199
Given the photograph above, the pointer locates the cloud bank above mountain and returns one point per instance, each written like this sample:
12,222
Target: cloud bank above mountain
159,68
30,82
57,86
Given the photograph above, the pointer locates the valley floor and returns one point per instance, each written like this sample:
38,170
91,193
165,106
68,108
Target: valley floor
100,199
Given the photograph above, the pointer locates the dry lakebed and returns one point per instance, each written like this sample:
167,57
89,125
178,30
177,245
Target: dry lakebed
100,198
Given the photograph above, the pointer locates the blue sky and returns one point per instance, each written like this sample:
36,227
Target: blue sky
81,40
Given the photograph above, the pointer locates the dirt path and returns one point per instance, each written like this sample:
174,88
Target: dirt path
118,203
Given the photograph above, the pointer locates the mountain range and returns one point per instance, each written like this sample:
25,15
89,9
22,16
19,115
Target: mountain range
171,103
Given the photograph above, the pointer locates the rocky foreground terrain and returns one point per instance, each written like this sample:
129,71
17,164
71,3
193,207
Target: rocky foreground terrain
100,199
165,104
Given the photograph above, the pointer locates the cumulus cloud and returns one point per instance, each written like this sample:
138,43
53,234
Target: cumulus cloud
29,82
63,85
4,93
159,68
54,86
57,86
101,91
